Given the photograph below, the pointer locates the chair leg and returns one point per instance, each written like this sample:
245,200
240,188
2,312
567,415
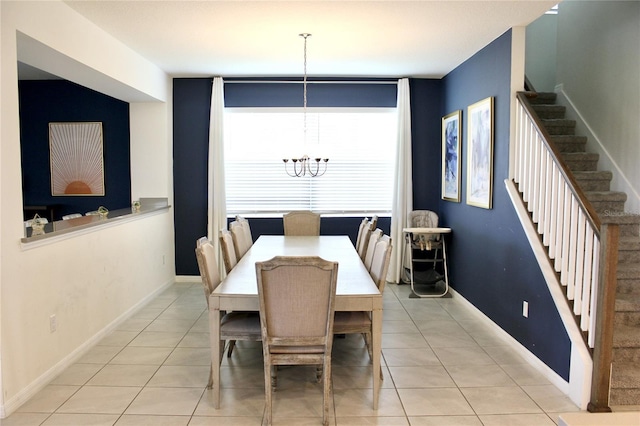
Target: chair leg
274,377
326,394
266,420
232,344
367,342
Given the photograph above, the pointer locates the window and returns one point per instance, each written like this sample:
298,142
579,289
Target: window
359,142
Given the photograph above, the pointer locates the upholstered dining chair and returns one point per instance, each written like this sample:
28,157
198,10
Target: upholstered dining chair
371,245
233,325
361,230
228,250
364,243
246,228
301,223
351,322
297,306
240,242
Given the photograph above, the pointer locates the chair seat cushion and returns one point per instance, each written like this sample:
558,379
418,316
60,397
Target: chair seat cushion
343,322
240,323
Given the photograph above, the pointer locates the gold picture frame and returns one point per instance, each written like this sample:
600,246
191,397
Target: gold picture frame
77,159
451,156
480,153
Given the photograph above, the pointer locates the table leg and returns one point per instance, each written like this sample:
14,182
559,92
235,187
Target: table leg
214,331
376,346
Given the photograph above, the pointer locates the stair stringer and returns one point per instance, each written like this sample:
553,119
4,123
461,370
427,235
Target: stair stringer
620,181
581,368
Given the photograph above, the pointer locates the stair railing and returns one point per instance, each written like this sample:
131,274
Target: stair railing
571,231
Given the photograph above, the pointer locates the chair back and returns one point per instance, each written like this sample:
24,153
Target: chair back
228,250
297,301
363,225
380,262
303,223
246,228
373,223
424,219
364,242
371,245
240,242
206,257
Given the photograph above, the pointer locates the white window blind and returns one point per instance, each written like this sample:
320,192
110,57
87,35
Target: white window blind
360,145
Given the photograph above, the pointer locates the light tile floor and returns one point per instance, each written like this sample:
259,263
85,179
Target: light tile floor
441,367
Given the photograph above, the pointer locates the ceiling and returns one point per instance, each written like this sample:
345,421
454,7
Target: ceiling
349,38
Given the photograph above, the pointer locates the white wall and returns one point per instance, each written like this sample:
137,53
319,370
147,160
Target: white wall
89,281
540,56
598,76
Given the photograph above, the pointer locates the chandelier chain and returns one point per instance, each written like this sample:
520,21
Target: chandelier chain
305,165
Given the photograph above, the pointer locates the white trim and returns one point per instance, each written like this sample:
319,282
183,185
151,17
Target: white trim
39,383
580,371
620,181
187,278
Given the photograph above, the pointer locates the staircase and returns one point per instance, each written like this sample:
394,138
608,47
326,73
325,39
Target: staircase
625,374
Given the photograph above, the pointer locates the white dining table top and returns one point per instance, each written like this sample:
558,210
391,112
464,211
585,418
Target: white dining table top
353,277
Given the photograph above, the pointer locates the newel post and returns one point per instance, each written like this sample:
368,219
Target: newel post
605,313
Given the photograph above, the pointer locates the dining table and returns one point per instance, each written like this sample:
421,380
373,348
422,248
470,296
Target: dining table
356,291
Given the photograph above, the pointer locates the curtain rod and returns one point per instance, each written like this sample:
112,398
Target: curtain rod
395,82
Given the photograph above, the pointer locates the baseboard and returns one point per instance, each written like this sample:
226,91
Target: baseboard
38,384
188,278
530,358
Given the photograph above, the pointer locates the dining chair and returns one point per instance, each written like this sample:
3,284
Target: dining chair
246,228
228,250
297,306
371,245
359,322
361,229
364,243
233,325
373,223
240,242
301,223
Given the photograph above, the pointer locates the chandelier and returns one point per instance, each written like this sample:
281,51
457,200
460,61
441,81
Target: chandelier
305,166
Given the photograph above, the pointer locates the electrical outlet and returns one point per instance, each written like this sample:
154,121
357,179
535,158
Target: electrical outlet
525,309
53,323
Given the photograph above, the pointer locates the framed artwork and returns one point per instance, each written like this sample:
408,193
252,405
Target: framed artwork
451,156
480,153
77,163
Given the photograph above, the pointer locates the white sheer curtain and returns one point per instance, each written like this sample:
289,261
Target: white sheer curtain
403,183
216,199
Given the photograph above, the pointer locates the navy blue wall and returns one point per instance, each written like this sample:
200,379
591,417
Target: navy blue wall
192,99
491,262
42,102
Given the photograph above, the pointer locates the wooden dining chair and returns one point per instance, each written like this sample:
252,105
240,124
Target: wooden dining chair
233,325
361,230
246,228
297,306
371,245
301,223
352,322
228,250
240,242
364,243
